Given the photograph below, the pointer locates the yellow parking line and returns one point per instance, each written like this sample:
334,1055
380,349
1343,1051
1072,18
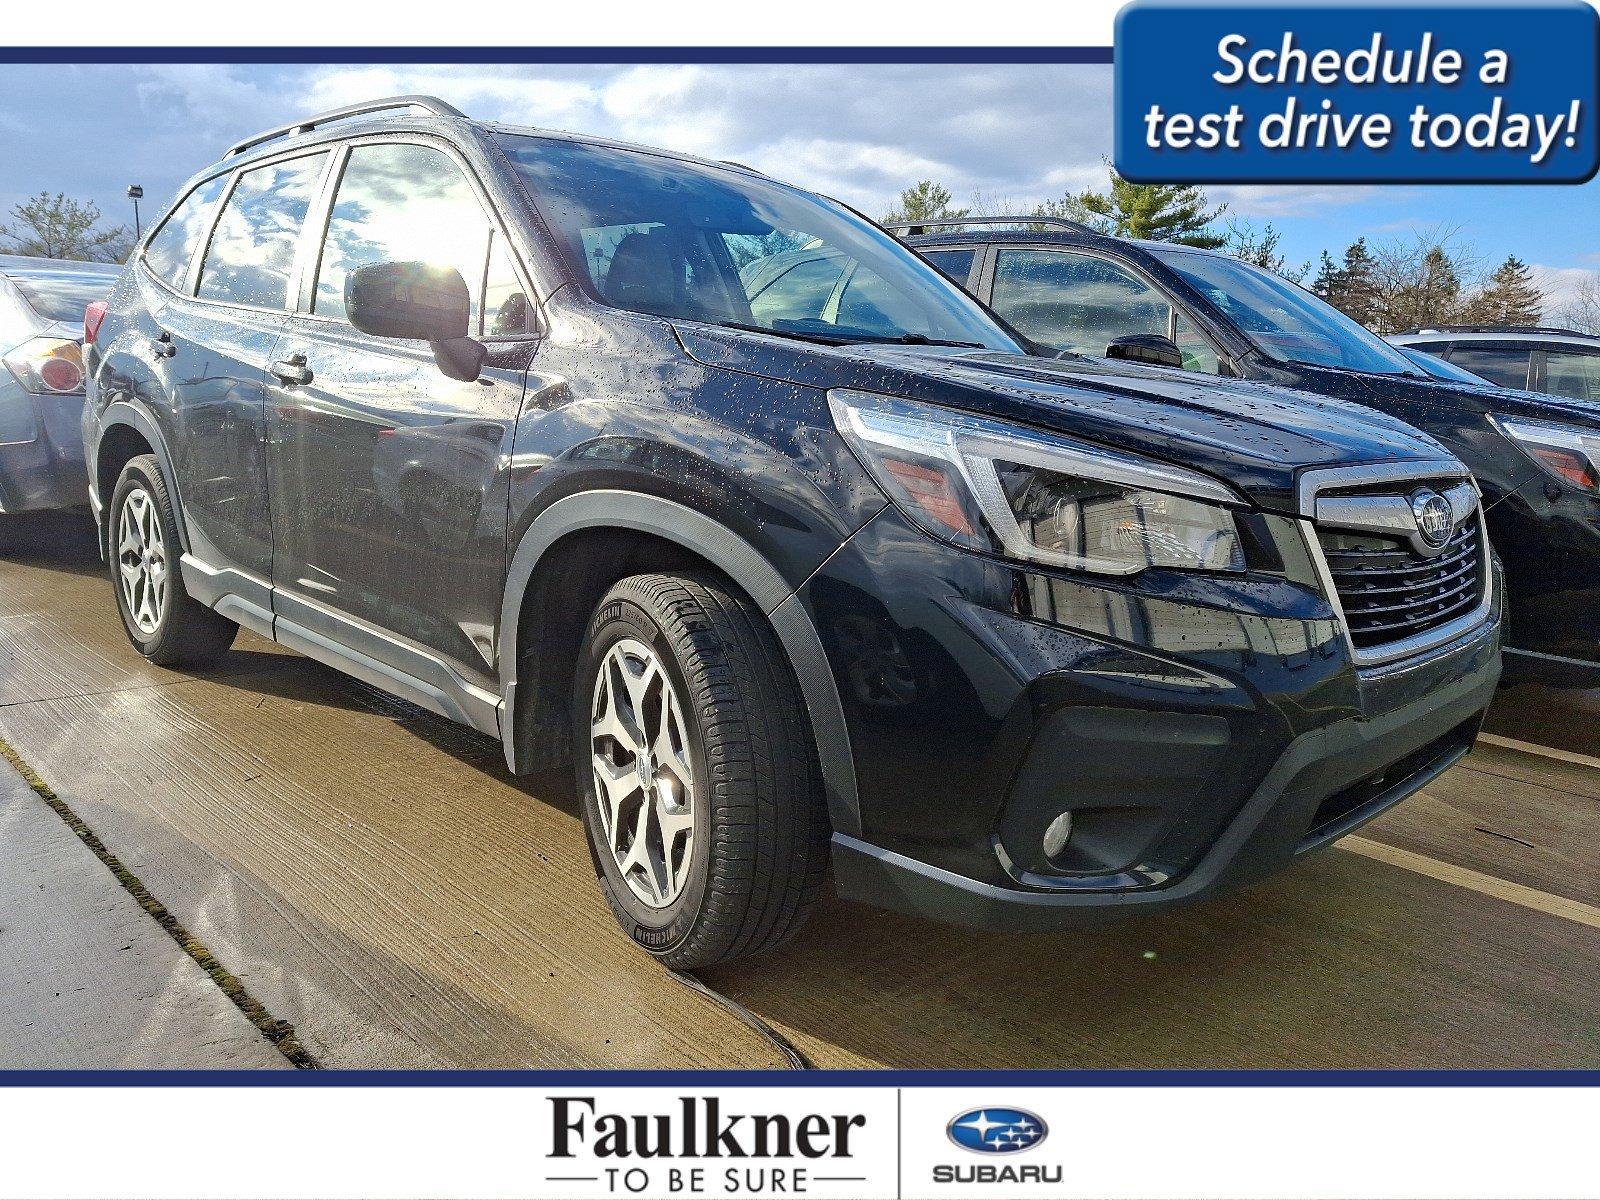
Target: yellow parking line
1566,756
1488,885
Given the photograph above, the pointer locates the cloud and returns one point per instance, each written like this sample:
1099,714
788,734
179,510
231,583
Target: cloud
1561,284
1268,201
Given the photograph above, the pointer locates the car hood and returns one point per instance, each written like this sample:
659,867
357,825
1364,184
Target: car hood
1253,436
1489,399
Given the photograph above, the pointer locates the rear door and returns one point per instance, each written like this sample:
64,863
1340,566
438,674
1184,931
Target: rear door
388,478
214,344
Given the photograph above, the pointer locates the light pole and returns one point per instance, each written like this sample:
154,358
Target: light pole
136,193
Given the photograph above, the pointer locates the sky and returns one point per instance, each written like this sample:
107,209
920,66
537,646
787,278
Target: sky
1001,136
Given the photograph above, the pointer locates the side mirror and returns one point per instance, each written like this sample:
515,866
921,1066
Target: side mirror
419,302
1152,349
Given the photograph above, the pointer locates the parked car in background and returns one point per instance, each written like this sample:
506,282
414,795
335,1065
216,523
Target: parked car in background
708,489
42,303
1561,362
1536,456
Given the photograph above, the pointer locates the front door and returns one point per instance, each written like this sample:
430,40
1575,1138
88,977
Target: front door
389,479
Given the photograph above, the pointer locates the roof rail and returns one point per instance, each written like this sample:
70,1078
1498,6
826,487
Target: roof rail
430,104
1555,329
916,227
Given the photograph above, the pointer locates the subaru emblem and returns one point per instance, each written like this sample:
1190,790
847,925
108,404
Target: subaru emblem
997,1130
1433,515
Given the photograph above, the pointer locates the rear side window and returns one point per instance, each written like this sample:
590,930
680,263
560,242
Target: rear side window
404,203
957,264
172,248
1572,373
252,251
1505,365
1074,301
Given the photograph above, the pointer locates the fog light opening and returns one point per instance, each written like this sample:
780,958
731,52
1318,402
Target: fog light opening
1057,835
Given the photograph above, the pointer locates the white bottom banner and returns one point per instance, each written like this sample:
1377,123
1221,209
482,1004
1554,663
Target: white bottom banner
857,1142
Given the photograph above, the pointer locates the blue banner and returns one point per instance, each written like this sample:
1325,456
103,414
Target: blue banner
1357,92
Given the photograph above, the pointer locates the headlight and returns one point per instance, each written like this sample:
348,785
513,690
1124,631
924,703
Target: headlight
1004,489
1569,452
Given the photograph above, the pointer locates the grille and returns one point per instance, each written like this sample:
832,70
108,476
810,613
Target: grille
1389,592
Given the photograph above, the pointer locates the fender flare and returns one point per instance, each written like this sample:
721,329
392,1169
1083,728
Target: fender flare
126,412
737,559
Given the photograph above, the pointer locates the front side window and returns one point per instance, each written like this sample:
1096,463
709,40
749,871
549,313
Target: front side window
505,300
698,242
172,248
1504,365
1198,354
1282,318
1572,373
399,202
1075,302
252,250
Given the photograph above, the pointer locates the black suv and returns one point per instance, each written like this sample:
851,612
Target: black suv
1536,457
712,489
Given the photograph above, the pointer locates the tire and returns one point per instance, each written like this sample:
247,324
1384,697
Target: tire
164,623
738,873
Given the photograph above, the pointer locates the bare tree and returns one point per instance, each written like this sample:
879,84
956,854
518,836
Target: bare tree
1582,312
1426,279
1260,247
60,227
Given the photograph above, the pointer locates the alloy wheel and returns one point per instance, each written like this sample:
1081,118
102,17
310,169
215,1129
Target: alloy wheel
142,561
644,782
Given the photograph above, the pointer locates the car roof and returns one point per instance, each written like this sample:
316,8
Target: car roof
22,266
393,113
1086,237
1481,333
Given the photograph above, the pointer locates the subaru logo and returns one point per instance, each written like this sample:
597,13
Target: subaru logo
1433,515
997,1130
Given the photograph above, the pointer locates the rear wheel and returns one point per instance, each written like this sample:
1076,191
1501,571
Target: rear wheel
701,792
164,623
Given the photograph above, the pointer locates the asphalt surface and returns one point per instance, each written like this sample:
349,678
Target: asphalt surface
372,875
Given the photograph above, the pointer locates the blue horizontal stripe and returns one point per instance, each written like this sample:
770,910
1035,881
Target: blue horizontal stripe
857,1078
555,54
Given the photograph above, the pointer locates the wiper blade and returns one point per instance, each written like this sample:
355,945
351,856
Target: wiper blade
918,339
820,339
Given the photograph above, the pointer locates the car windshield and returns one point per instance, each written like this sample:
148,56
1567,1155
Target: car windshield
1283,318
692,241
62,297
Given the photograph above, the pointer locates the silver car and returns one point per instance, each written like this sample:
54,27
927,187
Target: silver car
42,303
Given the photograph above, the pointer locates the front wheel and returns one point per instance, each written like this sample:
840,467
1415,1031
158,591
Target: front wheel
164,623
702,798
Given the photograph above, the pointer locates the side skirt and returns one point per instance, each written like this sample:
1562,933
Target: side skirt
343,643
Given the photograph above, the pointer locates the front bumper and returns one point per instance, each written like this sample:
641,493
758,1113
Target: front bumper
1199,748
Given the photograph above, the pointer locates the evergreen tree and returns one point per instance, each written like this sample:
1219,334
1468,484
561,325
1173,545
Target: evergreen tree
927,201
1350,286
1510,297
1159,212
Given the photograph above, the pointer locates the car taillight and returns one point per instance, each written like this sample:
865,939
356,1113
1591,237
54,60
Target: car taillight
47,365
93,314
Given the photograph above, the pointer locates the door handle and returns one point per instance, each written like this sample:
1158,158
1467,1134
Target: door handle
291,370
163,347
